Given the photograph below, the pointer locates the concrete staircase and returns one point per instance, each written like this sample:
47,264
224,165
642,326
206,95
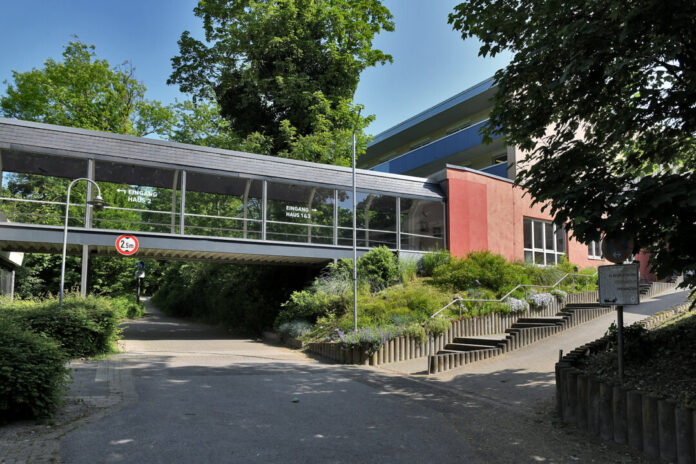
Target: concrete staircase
526,330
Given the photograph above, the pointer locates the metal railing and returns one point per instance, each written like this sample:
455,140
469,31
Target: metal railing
507,295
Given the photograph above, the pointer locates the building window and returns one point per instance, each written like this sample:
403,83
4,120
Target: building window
499,159
594,250
544,242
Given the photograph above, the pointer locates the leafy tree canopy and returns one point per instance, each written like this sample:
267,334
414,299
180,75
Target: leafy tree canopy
83,91
284,71
616,81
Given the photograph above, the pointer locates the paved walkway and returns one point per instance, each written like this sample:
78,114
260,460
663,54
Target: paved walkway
189,393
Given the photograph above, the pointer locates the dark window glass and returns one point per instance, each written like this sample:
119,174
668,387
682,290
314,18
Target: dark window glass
376,216
549,235
422,223
528,257
299,213
560,240
528,233
539,258
538,234
551,258
223,206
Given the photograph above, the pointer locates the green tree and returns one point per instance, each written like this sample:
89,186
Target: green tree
284,72
616,81
83,91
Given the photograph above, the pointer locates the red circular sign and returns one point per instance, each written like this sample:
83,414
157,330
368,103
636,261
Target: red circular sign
127,245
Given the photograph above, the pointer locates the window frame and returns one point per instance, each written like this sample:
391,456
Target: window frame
544,250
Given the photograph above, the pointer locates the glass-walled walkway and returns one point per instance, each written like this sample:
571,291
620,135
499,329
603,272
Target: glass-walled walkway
190,201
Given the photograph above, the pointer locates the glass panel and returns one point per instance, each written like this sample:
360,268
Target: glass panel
299,213
539,257
528,258
28,194
420,243
422,217
550,238
223,206
527,233
375,212
551,258
139,198
538,234
560,240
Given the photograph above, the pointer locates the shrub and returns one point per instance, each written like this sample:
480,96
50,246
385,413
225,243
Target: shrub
432,261
408,270
437,325
379,267
368,339
480,269
126,307
32,373
559,294
540,300
309,305
416,331
84,327
294,329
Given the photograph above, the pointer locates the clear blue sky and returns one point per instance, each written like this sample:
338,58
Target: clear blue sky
431,61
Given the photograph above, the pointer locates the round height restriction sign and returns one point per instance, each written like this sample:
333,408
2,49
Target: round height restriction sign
127,245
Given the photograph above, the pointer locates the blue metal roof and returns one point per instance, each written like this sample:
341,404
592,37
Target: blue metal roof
434,110
439,149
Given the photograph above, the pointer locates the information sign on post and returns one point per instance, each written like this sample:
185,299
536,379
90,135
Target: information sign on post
127,245
618,285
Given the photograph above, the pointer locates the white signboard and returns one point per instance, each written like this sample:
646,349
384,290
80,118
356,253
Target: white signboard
618,285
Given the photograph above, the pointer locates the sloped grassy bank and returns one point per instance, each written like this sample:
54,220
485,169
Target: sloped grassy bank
398,297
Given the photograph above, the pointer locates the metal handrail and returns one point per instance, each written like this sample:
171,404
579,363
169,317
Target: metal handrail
507,295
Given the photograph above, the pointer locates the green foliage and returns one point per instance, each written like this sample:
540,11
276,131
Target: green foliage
619,74
294,329
408,269
416,332
379,267
480,269
245,298
437,325
39,277
284,72
32,373
84,327
309,305
82,91
431,261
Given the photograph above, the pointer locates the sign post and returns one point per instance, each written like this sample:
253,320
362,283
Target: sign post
618,285
140,275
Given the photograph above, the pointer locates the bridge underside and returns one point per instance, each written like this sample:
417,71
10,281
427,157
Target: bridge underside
49,239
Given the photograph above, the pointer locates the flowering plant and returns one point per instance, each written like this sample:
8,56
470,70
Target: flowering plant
516,305
540,300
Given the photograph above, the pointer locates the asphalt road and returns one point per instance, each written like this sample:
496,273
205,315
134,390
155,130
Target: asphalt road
192,394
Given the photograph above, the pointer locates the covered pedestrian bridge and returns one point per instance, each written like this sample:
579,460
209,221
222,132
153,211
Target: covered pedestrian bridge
198,203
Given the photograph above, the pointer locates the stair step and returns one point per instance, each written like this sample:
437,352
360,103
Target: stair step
530,325
491,342
541,320
466,347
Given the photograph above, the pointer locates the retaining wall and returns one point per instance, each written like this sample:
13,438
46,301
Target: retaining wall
655,426
406,348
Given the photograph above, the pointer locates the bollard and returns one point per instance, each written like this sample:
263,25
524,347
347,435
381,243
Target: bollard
634,415
581,413
570,382
593,417
666,430
618,407
651,441
686,447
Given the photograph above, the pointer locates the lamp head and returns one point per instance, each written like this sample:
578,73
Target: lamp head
98,203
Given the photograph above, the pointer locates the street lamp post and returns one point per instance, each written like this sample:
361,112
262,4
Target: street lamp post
98,204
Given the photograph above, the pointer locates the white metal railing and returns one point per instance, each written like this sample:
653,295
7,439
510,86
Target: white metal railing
507,295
